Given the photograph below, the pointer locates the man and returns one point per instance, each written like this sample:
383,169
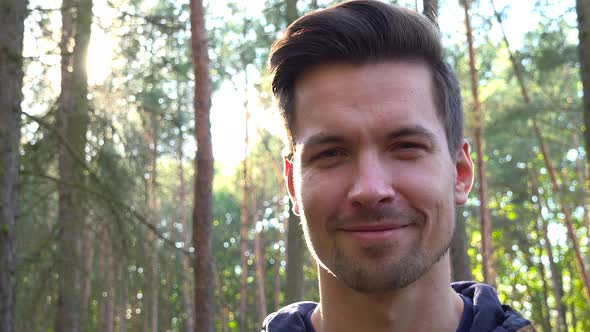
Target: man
376,166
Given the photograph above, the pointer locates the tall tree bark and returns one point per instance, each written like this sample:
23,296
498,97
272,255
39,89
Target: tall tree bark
556,283
583,11
106,313
152,203
295,255
260,263
295,245
72,123
260,278
430,10
460,264
244,230
489,271
313,5
187,303
167,310
581,180
544,306
291,13
123,283
549,166
203,198
88,248
12,17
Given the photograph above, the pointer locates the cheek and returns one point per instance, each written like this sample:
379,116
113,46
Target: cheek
320,196
426,187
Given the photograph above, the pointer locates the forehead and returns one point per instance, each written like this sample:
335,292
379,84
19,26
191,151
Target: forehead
390,93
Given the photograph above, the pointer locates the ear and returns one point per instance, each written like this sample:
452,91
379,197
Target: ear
464,169
290,185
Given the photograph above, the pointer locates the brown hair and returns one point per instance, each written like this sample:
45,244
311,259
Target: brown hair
364,32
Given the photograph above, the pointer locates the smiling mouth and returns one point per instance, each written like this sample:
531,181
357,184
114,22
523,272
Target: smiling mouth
373,234
373,228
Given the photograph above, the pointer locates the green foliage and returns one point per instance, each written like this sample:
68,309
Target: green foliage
142,113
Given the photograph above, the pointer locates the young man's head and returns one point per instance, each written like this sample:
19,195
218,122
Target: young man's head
364,32
377,160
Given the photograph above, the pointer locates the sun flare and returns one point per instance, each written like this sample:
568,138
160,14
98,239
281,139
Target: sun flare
100,57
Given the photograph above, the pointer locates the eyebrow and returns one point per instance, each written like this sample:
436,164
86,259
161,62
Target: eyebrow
321,139
416,130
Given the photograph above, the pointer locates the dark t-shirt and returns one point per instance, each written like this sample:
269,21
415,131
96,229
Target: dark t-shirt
305,310
467,317
482,312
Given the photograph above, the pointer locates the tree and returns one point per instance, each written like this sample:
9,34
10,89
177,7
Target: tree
295,245
430,10
489,271
460,265
203,201
583,11
244,216
72,124
545,156
12,17
187,303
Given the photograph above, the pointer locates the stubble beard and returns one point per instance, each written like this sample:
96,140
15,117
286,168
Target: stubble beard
374,273
377,275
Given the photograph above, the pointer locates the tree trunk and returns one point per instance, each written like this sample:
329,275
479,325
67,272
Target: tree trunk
557,285
12,19
172,258
244,233
73,123
574,320
187,304
203,198
88,249
277,285
430,10
489,271
106,313
547,162
123,283
292,14
581,180
544,306
260,264
313,5
460,264
153,132
583,11
295,246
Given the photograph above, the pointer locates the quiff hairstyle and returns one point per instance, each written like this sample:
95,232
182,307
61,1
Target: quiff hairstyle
363,32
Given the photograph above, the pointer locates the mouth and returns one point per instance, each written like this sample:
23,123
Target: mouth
373,227
375,233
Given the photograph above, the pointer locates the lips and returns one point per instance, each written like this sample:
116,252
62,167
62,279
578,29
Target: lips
372,227
371,234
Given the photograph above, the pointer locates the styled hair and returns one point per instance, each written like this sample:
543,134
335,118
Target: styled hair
364,32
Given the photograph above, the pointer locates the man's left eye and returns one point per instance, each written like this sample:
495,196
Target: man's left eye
408,150
410,145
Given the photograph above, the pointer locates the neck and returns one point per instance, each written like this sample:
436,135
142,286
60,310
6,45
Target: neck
344,309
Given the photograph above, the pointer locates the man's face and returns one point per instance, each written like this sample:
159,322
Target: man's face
372,177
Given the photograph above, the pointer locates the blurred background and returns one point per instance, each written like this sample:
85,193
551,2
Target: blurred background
101,227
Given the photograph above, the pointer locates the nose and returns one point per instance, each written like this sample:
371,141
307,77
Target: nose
372,182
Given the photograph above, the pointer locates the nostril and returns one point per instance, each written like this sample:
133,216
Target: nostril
386,200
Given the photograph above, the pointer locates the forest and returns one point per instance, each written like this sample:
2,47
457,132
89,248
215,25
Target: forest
141,180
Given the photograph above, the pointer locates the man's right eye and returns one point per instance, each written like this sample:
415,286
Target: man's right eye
328,154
